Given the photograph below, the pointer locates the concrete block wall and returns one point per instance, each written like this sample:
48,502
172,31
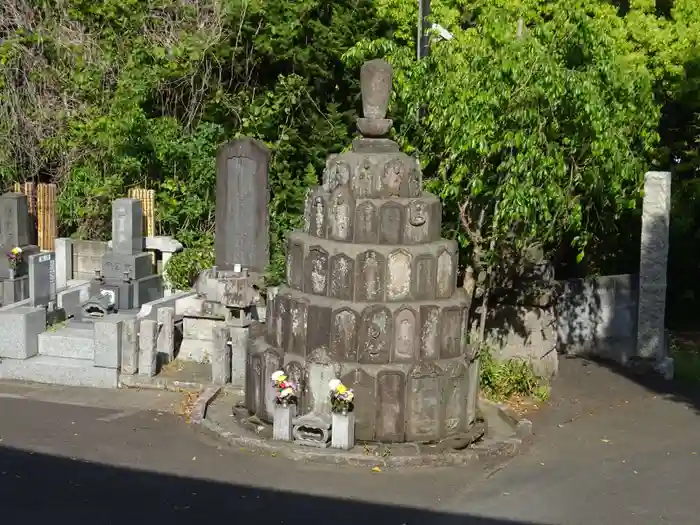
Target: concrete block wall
598,316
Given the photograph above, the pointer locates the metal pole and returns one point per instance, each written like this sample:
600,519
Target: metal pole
423,41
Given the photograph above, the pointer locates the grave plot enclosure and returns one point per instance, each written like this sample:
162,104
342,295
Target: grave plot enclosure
371,297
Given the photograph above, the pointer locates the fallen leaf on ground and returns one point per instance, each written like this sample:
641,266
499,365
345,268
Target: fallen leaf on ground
376,469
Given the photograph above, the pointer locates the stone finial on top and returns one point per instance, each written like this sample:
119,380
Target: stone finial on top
375,82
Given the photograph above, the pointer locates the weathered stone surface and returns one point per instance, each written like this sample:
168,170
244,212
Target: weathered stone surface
395,176
364,386
445,278
391,397
282,422
406,336
366,181
316,268
424,270
295,265
319,330
255,384
336,174
450,332
342,280
391,223
127,226
423,420
299,325
242,195
366,223
430,332
399,276
369,281
656,212
457,390
346,325
375,335
341,214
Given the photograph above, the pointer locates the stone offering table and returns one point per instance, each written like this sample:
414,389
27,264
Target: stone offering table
371,298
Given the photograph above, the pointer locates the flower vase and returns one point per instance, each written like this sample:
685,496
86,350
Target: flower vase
282,422
343,430
13,273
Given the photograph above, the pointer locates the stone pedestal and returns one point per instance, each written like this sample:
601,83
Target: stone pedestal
343,431
282,422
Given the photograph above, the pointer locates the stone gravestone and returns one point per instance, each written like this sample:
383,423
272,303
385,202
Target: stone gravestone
656,212
14,230
42,278
127,257
242,195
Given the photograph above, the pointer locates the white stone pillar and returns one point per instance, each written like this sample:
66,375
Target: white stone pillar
64,261
656,214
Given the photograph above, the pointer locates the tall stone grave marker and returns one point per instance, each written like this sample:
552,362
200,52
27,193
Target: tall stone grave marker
242,195
656,213
42,278
127,258
14,230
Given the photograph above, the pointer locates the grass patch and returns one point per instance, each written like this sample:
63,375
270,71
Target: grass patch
511,378
685,351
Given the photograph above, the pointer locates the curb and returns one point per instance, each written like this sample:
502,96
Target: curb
156,383
489,448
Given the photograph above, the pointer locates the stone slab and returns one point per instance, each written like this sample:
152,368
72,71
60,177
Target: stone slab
59,371
114,265
19,330
196,350
108,342
68,342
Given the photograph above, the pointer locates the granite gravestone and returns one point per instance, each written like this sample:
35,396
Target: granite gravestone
14,231
42,278
127,260
242,195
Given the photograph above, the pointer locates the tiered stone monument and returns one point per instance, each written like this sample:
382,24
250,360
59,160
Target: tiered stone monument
371,299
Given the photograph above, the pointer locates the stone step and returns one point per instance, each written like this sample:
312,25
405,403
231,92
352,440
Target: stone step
196,350
69,342
59,371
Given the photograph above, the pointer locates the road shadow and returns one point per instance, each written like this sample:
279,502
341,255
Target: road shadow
37,487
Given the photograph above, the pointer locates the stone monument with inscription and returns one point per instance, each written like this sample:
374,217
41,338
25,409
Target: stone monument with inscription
371,299
216,323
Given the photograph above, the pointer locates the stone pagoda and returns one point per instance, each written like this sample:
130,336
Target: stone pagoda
371,298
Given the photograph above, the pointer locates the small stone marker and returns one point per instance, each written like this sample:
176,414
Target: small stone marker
282,422
130,347
148,355
343,431
221,356
166,334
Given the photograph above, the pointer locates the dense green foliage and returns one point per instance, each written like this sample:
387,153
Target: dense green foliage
536,133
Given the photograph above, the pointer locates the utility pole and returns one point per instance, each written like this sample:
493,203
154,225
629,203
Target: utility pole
423,40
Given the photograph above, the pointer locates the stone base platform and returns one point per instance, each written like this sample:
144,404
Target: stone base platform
55,370
505,435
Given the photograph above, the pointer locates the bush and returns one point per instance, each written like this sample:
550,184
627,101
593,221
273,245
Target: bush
502,380
183,268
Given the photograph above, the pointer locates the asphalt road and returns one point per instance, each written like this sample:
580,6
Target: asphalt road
609,451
